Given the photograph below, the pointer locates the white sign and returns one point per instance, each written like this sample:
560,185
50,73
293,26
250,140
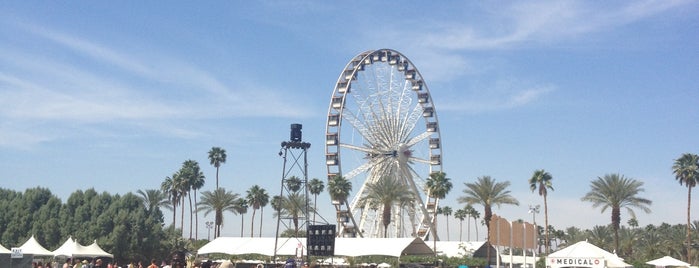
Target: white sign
16,253
575,262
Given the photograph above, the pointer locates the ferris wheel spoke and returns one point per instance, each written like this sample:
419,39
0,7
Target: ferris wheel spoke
358,148
419,138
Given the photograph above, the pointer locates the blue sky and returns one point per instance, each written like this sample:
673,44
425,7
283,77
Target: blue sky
116,95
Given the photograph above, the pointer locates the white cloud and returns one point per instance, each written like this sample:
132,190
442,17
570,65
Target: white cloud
504,95
99,84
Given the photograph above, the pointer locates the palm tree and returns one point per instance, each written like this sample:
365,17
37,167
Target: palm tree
460,214
153,199
386,192
686,170
218,201
294,207
438,186
339,188
277,203
315,186
487,192
256,197
471,213
194,180
542,180
446,211
294,183
170,187
616,191
241,207
217,156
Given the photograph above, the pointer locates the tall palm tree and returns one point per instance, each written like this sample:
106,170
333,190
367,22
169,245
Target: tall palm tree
542,180
471,213
194,180
315,187
487,192
277,203
217,156
218,201
264,202
686,170
256,196
294,184
460,214
386,192
154,199
294,207
241,207
438,186
616,191
446,211
339,188
170,187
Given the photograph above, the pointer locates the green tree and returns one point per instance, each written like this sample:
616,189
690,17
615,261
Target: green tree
446,211
616,191
241,207
153,199
460,214
487,192
293,206
315,187
194,180
257,198
472,213
169,186
294,184
339,188
686,170
217,157
541,180
438,186
218,201
386,192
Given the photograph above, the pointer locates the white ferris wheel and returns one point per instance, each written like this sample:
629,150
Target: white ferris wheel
382,123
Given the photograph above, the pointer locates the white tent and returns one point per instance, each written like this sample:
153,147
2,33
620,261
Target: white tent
395,247
584,254
668,261
456,248
32,247
68,249
71,248
4,250
96,251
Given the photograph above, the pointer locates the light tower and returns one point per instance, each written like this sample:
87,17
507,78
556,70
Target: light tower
293,195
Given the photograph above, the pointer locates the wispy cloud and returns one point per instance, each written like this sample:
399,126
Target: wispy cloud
505,95
540,22
99,84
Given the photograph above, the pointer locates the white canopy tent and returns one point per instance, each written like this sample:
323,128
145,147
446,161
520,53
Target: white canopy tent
4,250
668,261
584,254
352,247
96,251
32,247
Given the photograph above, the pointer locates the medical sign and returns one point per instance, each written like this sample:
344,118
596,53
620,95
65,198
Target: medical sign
575,262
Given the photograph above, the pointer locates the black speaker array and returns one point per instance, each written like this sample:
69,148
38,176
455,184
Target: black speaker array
321,240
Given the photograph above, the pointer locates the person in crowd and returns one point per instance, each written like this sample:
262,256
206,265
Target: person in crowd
152,264
178,260
98,263
67,263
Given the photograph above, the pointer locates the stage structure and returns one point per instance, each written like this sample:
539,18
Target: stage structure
382,124
292,207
